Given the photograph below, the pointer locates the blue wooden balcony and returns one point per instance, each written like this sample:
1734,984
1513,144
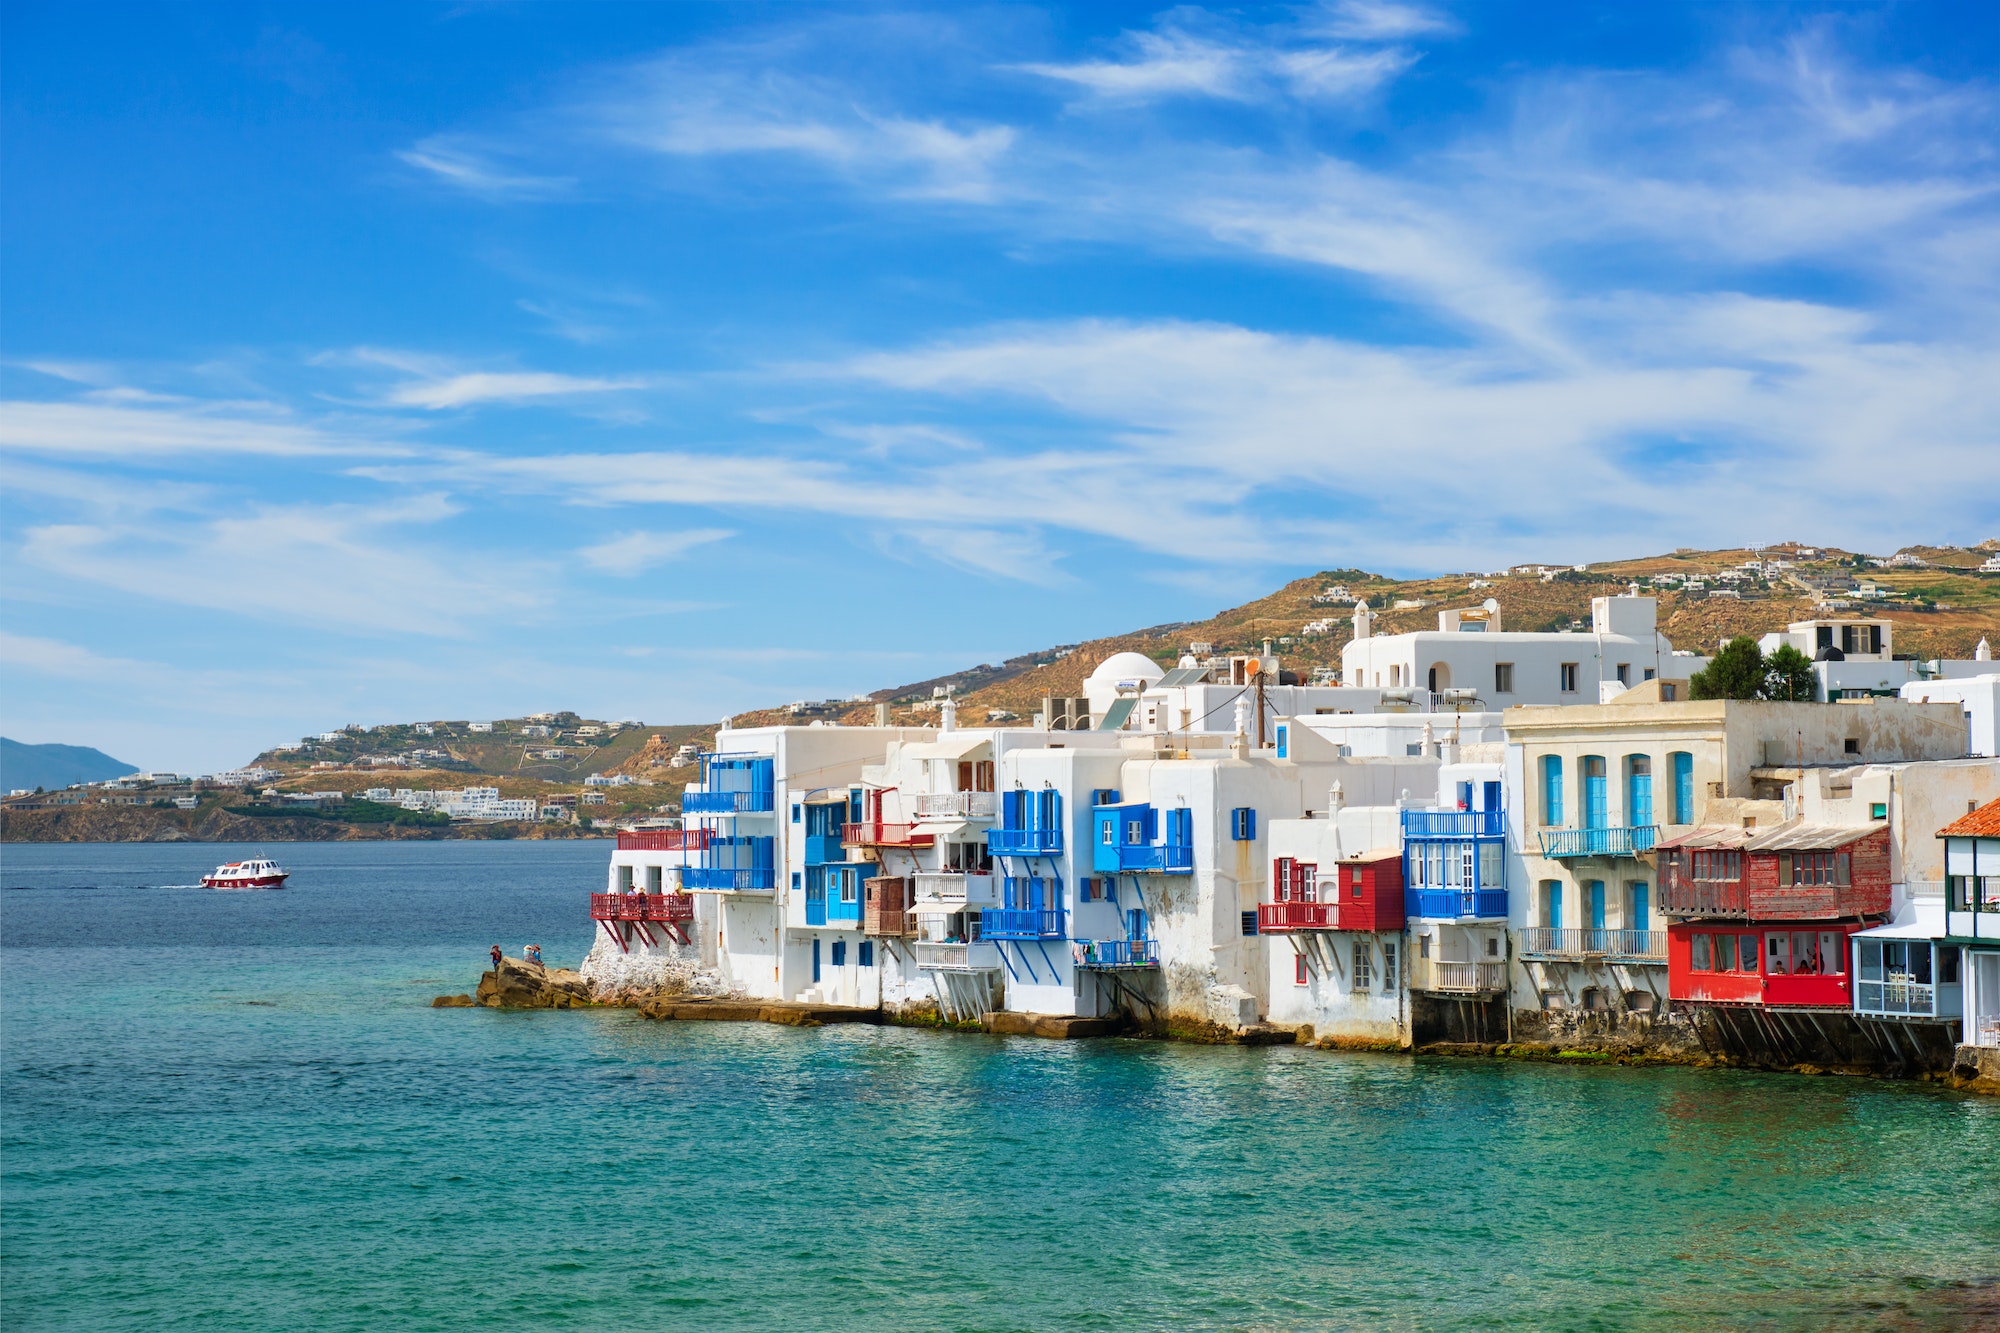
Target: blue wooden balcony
727,802
1115,955
1456,825
1457,904
1560,844
1023,923
820,912
822,848
1160,858
729,879
1024,841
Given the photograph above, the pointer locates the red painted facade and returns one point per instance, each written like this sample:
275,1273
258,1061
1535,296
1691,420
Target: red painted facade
1783,963
1842,878
1353,895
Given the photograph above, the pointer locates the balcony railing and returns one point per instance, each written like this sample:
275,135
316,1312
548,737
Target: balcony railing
820,912
1023,923
1568,842
1024,841
949,957
1441,978
1908,999
1457,904
885,835
1279,918
954,887
1569,942
1455,824
1683,895
641,907
727,802
1160,858
663,840
956,805
725,879
1114,955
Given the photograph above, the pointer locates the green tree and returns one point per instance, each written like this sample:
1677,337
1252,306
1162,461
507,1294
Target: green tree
1736,673
1788,676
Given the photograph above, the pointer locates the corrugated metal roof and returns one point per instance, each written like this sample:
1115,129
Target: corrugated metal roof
1981,823
1709,837
1803,837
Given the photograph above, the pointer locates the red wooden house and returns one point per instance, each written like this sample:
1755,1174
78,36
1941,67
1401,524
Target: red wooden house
1360,893
1764,917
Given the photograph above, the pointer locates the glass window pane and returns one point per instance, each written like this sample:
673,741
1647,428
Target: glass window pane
1700,953
1833,953
1749,947
1777,954
1871,960
1725,953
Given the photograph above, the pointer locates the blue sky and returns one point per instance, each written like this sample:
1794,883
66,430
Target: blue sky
377,363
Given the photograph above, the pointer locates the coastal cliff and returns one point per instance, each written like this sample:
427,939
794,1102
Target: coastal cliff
141,823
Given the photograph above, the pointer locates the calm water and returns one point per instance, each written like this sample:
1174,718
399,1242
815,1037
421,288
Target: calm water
234,1111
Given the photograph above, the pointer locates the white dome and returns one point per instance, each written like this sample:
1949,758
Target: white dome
1125,666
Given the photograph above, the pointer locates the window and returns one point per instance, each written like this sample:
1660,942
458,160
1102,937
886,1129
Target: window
1878,810
1552,790
1284,741
1638,905
1104,796
1699,956
1552,904
1725,953
867,953
1388,965
840,953
1107,832
1668,693
1638,790
1624,673
1947,965
1299,974
1363,958
1492,946
1250,922
1853,745
1593,999
798,812
1777,954
815,958
1243,823
1503,677
1423,946
1569,678
1596,794
1650,673
1747,952
1682,764
795,881
625,879
849,883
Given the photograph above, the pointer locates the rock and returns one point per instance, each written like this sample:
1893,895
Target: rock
519,984
452,1002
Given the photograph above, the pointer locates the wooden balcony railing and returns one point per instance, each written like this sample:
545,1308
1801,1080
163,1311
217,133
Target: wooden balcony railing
641,907
663,840
879,834
1281,918
1441,978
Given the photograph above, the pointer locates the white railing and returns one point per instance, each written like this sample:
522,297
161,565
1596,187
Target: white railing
1430,974
944,957
957,890
1895,995
956,805
1924,888
1574,942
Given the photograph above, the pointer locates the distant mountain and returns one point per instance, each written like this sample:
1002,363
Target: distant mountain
53,766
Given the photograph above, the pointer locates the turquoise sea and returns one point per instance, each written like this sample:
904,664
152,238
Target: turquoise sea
236,1111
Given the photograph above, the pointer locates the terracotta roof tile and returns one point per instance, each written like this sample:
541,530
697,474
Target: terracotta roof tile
1981,823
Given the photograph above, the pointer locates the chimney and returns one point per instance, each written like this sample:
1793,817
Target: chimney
948,714
882,715
1364,620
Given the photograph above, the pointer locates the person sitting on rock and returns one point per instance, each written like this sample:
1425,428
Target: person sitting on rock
533,953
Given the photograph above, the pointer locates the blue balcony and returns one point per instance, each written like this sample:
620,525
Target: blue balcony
1160,858
1023,923
820,912
1115,955
822,848
729,879
1024,841
727,802
1457,904
1455,824
1558,844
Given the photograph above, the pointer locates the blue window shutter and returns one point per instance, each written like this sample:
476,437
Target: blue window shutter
867,953
795,881
840,953
797,812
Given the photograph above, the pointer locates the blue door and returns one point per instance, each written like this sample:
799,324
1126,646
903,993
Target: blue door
815,961
1642,906
1638,790
1596,891
1596,798
1683,787
1553,897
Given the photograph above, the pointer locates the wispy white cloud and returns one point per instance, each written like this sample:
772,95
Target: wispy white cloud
463,165
110,430
636,552
1252,64
501,387
1378,21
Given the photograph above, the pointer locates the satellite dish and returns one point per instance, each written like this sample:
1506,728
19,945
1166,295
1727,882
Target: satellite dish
1491,604
1252,667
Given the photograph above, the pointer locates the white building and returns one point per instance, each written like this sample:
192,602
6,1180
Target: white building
1470,657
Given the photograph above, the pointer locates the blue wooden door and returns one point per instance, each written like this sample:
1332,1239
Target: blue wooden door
1642,907
1596,798
1597,904
815,962
1555,904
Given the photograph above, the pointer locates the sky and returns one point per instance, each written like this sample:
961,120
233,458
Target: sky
380,363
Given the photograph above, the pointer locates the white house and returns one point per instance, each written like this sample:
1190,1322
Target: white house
1469,657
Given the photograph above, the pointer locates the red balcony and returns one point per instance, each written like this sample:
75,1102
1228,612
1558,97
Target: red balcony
1283,918
663,840
671,907
878,834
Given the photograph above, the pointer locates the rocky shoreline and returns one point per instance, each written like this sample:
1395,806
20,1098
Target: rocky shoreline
521,985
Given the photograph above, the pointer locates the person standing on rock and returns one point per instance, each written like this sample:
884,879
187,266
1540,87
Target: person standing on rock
495,951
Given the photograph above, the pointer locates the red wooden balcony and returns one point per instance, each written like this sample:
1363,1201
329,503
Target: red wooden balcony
1282,918
663,840
878,834
673,907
